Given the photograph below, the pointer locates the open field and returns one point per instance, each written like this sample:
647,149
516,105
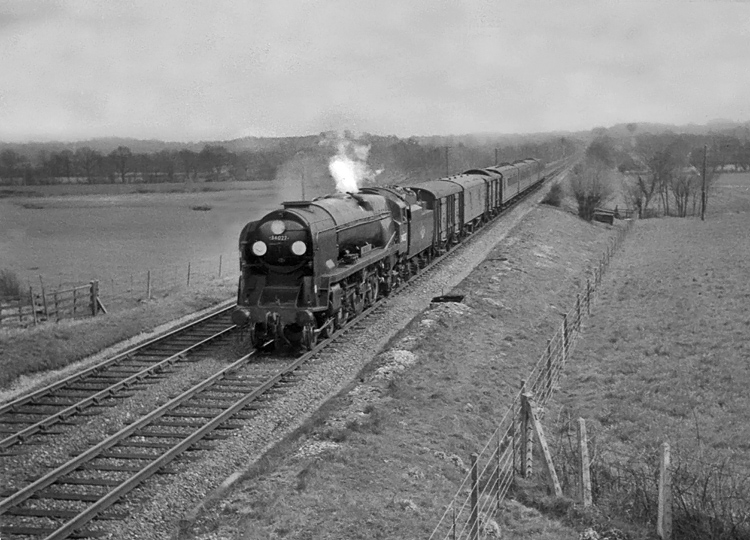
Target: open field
665,358
73,234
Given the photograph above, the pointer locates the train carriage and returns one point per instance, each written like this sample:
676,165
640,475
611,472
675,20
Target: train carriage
475,200
530,173
445,199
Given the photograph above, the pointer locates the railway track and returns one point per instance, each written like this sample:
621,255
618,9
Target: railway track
38,413
63,502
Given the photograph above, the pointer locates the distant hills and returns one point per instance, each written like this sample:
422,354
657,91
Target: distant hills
108,144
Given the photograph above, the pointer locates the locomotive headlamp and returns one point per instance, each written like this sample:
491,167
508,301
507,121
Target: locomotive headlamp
259,248
278,227
299,247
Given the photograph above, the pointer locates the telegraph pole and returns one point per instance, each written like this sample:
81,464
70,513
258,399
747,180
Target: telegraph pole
447,173
703,188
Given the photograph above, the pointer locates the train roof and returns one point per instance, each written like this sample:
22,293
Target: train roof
467,181
436,188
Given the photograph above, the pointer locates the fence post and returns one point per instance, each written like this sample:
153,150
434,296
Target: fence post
527,435
94,298
664,518
75,301
220,256
549,367
188,278
585,476
497,477
33,305
473,521
44,299
20,310
57,310
148,284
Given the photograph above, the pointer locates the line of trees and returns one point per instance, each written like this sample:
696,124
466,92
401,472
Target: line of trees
668,168
401,158
121,165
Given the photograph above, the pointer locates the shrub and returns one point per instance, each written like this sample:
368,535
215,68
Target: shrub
10,285
554,196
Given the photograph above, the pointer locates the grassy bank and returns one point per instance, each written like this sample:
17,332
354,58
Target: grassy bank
55,345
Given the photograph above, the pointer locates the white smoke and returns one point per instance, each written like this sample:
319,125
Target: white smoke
349,166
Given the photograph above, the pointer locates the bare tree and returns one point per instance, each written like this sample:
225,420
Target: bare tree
121,157
591,185
88,160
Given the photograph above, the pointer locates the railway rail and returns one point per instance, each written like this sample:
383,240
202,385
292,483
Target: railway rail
38,412
63,502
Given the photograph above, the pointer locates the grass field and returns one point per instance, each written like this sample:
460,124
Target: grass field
665,358
115,233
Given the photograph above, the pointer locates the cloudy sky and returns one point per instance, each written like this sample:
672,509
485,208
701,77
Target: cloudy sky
214,70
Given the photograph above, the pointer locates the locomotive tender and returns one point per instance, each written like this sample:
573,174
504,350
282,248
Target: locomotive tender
309,267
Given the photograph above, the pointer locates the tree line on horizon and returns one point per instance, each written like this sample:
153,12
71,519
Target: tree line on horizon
215,162
662,173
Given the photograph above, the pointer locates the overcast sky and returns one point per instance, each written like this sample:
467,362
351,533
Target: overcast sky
215,70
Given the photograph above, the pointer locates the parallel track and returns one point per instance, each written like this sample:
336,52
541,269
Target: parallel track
36,413
61,503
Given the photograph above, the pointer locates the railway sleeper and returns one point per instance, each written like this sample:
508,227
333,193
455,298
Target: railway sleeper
123,468
67,496
59,513
46,531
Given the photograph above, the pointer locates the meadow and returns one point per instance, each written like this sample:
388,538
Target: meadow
74,233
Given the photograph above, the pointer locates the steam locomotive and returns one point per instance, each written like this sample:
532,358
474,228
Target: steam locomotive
310,266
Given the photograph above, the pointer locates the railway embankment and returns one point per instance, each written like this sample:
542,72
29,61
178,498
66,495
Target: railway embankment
382,458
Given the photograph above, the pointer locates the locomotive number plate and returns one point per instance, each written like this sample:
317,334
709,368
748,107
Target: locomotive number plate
279,237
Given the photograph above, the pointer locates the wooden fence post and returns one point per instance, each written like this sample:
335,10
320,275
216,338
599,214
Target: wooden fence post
527,435
75,301
94,298
664,518
549,367
20,310
497,476
32,304
188,278
537,425
220,265
57,310
44,299
585,472
473,517
148,284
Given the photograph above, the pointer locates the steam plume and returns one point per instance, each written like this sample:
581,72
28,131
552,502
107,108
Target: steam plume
349,166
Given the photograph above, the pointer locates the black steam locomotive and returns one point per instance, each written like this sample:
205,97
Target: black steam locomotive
309,267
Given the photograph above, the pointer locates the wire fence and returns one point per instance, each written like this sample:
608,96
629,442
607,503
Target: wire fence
125,289
682,495
119,290
508,451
